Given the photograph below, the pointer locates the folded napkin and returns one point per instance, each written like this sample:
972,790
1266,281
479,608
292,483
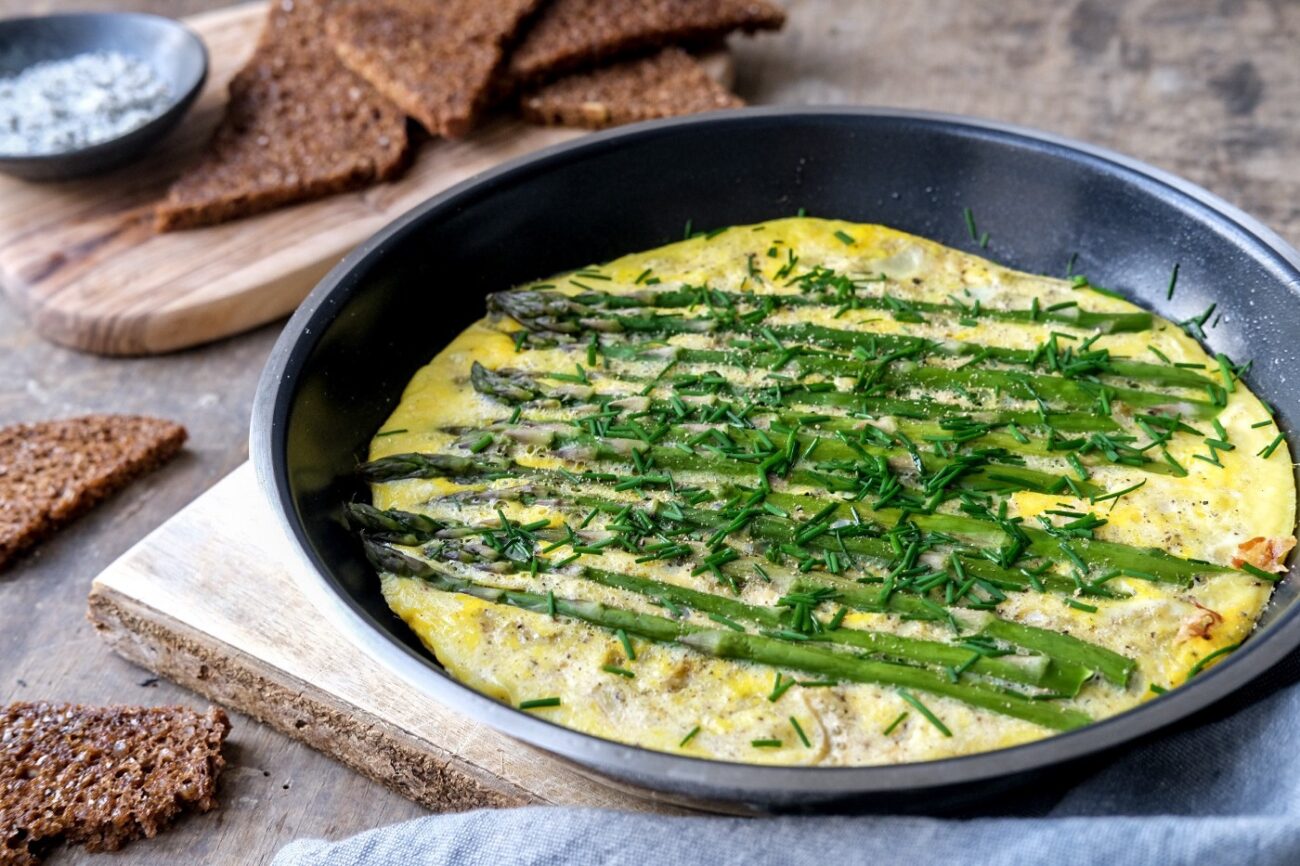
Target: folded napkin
1224,792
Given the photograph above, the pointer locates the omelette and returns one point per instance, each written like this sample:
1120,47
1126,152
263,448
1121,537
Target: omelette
813,492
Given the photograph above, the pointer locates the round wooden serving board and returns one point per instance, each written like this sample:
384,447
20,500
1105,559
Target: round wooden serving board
82,259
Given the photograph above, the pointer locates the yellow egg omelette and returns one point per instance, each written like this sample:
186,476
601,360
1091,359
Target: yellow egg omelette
820,493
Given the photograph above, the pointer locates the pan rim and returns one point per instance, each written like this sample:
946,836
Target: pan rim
696,776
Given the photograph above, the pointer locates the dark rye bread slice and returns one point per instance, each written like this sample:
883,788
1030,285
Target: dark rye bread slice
666,84
101,776
299,125
434,59
54,470
574,34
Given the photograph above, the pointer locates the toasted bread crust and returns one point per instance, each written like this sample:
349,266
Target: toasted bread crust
577,34
433,60
299,125
667,84
52,471
102,776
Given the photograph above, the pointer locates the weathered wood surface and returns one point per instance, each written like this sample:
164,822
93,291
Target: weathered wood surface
1206,88
211,600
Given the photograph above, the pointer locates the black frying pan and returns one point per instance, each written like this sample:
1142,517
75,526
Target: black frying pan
340,366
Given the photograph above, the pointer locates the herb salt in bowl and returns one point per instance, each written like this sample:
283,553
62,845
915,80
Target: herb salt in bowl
83,93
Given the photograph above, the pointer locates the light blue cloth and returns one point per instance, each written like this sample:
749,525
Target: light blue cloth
1225,792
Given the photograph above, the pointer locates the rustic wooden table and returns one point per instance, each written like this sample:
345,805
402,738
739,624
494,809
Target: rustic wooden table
1209,89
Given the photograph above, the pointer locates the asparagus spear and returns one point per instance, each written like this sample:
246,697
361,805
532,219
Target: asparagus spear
1108,323
760,650
1152,563
1072,658
1070,422
555,314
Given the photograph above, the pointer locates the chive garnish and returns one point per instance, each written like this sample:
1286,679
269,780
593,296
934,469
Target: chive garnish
391,432
765,744
1264,423
1173,281
690,736
615,669
1260,573
686,230
798,730
1205,660
924,711
628,649
1267,451
1157,690
779,687
481,443
729,623
969,216
1079,605
895,723
844,238
539,703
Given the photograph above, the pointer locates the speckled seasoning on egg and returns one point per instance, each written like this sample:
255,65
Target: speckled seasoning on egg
814,492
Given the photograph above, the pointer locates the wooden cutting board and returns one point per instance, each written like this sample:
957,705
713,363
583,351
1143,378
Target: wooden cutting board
209,600
82,259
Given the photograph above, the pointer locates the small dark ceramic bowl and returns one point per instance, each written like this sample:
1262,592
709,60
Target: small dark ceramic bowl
174,51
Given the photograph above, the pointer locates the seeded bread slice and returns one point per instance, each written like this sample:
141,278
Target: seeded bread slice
667,84
434,60
577,34
299,125
101,776
54,470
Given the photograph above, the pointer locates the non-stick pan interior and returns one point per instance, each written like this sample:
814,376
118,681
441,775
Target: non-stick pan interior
344,359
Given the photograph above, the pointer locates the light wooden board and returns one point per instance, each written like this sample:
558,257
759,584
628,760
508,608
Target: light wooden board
82,259
209,600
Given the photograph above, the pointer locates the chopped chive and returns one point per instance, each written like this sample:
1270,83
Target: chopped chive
550,603
628,649
845,239
984,240
1078,605
1159,354
1205,660
1118,493
1173,281
970,223
896,722
391,432
539,703
1260,573
686,739
765,744
798,730
1225,370
481,443
729,623
615,669
780,687
1157,690
1263,423
686,230
1267,451
925,711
